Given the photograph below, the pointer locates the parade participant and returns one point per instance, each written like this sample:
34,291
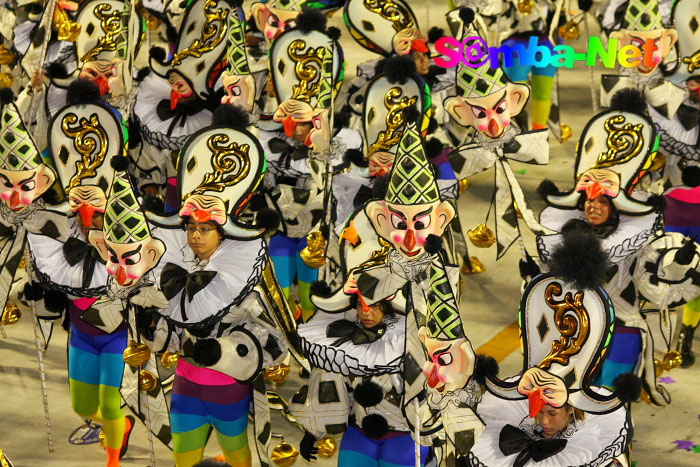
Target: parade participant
552,415
223,317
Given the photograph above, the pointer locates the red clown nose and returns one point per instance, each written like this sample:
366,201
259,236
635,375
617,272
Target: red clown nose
289,125
536,401
494,129
433,378
175,98
86,213
121,276
593,190
102,83
14,200
410,240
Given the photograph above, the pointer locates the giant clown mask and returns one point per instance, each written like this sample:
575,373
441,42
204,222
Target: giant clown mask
239,84
276,16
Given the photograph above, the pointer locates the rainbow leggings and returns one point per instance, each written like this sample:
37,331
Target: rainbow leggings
625,349
95,369
356,448
204,398
285,253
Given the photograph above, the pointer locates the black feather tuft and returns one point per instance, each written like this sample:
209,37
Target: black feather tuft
433,148
368,394
412,115
356,157
628,387
341,119
399,68
82,91
231,116
257,202
580,260
547,188
691,176
268,219
379,66
119,163
433,244
658,201
56,70
206,352
485,367
143,72
432,126
320,289
375,426
333,33
158,54
55,301
7,96
629,99
435,33
153,204
311,19
466,14
380,186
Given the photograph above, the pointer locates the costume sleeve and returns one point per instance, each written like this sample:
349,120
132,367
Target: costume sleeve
324,404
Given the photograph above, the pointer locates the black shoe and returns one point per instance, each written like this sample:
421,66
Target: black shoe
685,345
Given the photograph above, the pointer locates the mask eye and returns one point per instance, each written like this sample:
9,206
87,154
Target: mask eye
445,359
133,259
317,123
29,186
398,223
478,113
422,223
290,25
235,90
501,107
8,184
113,259
637,43
272,21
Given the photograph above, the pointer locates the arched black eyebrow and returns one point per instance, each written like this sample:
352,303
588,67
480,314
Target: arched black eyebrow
132,252
27,179
442,350
4,177
398,213
498,102
423,213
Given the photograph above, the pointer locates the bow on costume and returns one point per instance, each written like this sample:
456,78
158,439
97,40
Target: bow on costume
530,148
665,96
347,330
175,278
76,251
513,440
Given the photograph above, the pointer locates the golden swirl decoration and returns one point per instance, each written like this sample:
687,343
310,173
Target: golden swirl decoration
623,142
569,344
693,62
213,32
394,119
67,30
307,68
391,11
231,164
111,24
90,140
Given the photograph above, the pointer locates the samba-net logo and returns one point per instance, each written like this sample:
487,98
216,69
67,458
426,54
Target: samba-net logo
473,52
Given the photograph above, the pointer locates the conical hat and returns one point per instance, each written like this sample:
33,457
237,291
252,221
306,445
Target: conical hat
124,221
236,55
18,151
443,321
412,179
642,15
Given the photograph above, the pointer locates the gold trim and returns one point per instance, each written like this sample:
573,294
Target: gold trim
111,24
231,164
624,142
213,32
86,134
395,119
307,69
391,11
693,62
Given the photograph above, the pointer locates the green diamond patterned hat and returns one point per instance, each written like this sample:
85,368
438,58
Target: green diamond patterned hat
412,179
325,86
236,56
124,221
443,321
18,151
480,81
642,15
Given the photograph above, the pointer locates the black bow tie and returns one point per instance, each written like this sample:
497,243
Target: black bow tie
514,440
76,251
349,331
174,278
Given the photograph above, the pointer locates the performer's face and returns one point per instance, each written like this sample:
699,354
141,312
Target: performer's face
203,238
422,62
99,72
370,317
694,89
597,210
19,188
553,420
240,91
542,389
301,131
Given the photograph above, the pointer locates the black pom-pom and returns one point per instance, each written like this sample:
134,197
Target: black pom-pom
6,96
55,301
320,289
658,201
375,426
368,394
585,5
257,202
341,119
119,163
380,186
333,33
432,126
433,148
153,204
143,72
56,70
547,188
628,387
433,244
412,114
356,157
580,260
311,19
629,99
379,66
171,34
33,291
435,33
466,14
158,54
82,91
268,219
231,116
485,367
691,176
398,68
206,352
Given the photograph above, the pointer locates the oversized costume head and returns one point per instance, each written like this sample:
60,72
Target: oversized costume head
127,244
274,17
83,138
642,22
565,333
412,208
307,69
23,173
385,27
238,82
451,357
686,19
615,150
194,67
486,99
385,115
